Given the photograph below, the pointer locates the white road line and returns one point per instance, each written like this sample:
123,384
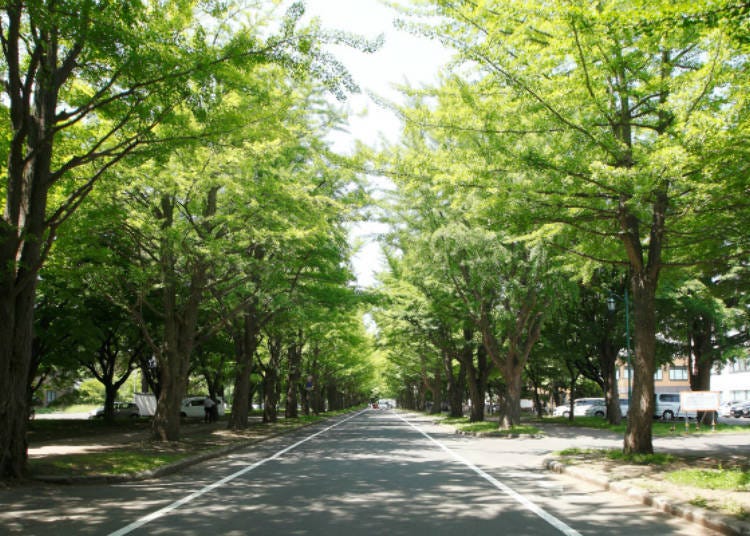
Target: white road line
163,511
528,504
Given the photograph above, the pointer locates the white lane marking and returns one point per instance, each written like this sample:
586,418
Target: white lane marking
527,503
163,511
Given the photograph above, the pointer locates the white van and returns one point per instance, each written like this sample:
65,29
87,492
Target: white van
667,407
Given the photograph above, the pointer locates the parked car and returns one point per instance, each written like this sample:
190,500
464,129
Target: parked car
122,410
741,410
667,407
592,408
192,406
725,409
583,407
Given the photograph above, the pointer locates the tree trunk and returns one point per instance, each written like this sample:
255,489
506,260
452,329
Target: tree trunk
510,414
294,358
271,380
607,364
23,230
180,327
245,344
638,436
476,374
456,385
701,359
16,321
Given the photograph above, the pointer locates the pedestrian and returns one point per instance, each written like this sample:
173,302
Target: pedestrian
208,405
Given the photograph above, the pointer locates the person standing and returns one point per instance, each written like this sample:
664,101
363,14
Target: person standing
208,408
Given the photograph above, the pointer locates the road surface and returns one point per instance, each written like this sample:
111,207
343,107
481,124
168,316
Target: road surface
374,472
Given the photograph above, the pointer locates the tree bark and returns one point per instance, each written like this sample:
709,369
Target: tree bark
294,358
246,343
638,436
271,380
23,227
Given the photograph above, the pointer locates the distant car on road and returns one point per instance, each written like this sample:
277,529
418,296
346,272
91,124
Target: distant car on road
122,410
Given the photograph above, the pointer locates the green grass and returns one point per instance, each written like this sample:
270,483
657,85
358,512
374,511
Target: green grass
119,462
724,479
462,424
659,428
42,430
618,456
75,408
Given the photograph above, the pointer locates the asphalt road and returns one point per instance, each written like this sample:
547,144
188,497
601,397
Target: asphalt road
371,473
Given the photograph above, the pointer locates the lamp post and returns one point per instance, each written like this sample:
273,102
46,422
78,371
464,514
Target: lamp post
611,306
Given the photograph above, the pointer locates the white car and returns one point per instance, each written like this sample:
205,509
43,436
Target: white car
192,406
667,407
583,407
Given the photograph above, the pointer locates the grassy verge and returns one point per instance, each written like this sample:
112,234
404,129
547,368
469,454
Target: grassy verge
76,408
616,455
118,462
659,428
125,447
490,428
735,479
718,485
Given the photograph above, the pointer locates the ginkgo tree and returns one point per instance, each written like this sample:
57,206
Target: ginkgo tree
615,131
90,84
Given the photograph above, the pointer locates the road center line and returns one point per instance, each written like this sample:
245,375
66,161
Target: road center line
527,503
210,487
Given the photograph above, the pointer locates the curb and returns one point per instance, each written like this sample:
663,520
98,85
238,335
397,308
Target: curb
700,516
510,435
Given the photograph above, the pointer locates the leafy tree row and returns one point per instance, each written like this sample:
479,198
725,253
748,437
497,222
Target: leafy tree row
166,188
572,142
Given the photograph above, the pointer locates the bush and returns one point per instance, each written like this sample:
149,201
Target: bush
90,392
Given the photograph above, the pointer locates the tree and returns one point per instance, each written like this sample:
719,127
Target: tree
606,120
86,86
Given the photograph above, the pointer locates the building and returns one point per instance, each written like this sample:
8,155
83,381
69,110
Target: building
732,380
671,378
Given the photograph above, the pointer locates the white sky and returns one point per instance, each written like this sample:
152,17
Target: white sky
403,59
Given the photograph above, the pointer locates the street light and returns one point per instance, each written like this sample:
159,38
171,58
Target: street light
611,306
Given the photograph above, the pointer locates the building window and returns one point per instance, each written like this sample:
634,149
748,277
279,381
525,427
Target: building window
741,365
678,373
659,375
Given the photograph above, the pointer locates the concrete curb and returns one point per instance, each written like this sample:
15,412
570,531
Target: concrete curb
166,469
700,516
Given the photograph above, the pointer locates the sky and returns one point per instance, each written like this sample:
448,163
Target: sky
404,59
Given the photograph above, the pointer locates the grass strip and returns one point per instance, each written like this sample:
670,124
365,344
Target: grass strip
115,462
736,479
462,424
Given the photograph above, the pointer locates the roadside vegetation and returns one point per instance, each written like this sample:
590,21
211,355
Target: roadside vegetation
718,484
125,448
489,427
658,428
